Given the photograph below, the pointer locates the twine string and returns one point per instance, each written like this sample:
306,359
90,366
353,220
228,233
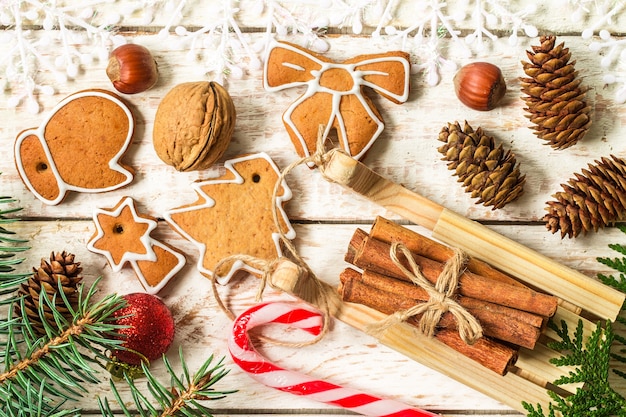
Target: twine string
310,287
441,297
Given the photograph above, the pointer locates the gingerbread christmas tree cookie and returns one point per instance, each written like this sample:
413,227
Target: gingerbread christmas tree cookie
335,94
123,236
234,215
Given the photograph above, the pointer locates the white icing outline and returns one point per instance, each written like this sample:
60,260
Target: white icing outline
132,257
209,202
64,187
313,87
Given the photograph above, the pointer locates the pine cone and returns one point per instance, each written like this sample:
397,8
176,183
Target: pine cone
488,172
591,200
61,269
555,99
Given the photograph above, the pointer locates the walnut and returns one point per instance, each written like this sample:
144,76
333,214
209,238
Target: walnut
193,125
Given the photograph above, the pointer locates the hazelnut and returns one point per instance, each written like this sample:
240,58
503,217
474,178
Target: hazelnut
193,125
480,85
132,69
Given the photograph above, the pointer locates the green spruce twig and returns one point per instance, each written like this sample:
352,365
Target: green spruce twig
40,373
10,245
181,399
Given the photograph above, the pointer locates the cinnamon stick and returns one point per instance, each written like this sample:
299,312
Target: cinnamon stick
389,232
410,290
390,297
374,255
489,353
355,242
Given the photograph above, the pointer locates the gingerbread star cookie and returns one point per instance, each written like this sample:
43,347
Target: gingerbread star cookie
123,237
78,147
335,94
234,216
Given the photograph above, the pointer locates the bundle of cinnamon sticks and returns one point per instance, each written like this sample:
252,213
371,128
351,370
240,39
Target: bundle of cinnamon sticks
510,314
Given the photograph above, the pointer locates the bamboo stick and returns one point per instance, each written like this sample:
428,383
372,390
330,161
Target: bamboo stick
477,240
389,232
510,389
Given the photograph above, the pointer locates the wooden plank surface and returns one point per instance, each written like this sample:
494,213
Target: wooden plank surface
324,214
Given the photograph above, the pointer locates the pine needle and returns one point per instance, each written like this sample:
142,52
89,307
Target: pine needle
50,370
180,400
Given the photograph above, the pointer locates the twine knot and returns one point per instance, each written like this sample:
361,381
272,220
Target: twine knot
440,297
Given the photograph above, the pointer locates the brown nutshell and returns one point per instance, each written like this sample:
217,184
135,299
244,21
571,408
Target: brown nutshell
193,125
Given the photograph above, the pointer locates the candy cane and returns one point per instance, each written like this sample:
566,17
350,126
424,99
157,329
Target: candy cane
303,317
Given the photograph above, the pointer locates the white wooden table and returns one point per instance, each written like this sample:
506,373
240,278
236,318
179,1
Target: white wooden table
323,214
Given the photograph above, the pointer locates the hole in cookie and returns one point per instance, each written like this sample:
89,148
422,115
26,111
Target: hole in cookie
42,166
118,228
256,178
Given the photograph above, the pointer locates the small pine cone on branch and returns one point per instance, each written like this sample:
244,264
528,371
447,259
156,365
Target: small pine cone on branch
488,172
592,200
61,272
554,97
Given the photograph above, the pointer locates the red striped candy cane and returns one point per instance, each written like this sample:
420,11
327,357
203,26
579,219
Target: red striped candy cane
303,317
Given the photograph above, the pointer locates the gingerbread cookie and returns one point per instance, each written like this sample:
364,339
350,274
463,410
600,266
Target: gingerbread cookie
334,95
123,236
234,215
78,147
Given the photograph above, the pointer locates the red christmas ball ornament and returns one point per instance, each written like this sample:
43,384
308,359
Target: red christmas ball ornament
150,330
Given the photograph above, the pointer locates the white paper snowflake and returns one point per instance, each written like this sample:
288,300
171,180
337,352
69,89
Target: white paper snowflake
215,37
434,21
611,51
68,30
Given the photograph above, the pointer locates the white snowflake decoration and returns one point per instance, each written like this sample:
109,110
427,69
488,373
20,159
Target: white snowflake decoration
66,28
215,37
488,13
612,51
297,20
433,20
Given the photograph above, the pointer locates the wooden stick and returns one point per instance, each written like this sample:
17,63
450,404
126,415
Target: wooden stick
356,288
532,268
488,353
407,340
389,232
374,255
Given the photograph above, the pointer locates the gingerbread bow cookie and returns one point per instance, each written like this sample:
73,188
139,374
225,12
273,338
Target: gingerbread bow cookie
123,236
78,147
335,95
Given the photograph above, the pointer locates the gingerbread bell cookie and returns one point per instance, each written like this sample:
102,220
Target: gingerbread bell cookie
78,147
234,215
123,237
335,94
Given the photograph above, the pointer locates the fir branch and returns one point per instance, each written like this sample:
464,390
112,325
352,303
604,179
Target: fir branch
182,399
9,246
49,370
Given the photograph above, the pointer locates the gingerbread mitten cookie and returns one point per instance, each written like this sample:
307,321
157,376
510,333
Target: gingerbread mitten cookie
78,147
